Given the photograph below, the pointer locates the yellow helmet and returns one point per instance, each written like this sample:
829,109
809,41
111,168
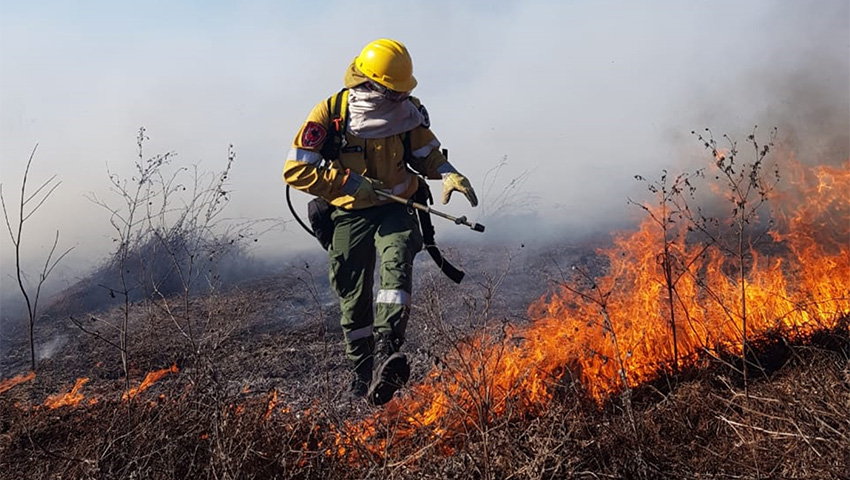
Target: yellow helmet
388,63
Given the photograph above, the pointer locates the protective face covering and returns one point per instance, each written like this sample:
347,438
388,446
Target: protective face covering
380,112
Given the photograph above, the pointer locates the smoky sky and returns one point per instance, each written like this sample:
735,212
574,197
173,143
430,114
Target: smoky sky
572,99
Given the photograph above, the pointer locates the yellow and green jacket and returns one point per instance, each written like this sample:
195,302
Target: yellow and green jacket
380,159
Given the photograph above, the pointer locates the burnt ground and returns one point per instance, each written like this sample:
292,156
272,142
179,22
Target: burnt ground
282,324
274,341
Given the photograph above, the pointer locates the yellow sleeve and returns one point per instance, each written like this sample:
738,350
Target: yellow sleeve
426,156
305,168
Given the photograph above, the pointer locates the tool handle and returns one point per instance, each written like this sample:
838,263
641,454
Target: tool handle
410,203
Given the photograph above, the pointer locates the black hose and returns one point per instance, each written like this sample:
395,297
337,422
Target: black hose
295,214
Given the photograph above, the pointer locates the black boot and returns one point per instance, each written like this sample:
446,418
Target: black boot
393,370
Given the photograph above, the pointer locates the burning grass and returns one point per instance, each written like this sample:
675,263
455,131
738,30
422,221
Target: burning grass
793,424
614,333
10,383
701,361
150,379
71,398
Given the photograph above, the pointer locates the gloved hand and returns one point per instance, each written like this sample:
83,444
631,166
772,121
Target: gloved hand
455,181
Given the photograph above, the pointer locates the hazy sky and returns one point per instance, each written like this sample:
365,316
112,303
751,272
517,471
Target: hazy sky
581,94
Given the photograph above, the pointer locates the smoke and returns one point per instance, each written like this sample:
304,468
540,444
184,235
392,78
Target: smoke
798,80
576,97
49,348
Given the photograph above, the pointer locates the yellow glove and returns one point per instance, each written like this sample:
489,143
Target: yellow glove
455,181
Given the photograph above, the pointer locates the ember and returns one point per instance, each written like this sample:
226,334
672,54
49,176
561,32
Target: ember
271,404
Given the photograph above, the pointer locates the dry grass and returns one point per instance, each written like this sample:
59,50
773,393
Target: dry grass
795,424
263,400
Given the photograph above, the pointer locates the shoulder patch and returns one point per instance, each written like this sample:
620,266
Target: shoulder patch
426,120
314,135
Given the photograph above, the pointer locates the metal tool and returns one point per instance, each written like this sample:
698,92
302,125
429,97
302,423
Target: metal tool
425,208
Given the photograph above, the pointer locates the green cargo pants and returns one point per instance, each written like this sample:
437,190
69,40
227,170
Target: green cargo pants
392,231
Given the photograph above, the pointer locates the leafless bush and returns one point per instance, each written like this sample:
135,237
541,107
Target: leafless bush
748,190
501,199
667,214
171,238
682,220
32,201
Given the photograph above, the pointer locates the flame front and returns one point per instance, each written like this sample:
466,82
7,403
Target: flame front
150,379
72,398
10,383
621,332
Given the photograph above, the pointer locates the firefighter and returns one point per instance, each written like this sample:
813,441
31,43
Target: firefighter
366,138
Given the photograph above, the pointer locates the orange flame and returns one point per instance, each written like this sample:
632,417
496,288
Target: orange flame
72,398
619,333
10,383
150,379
